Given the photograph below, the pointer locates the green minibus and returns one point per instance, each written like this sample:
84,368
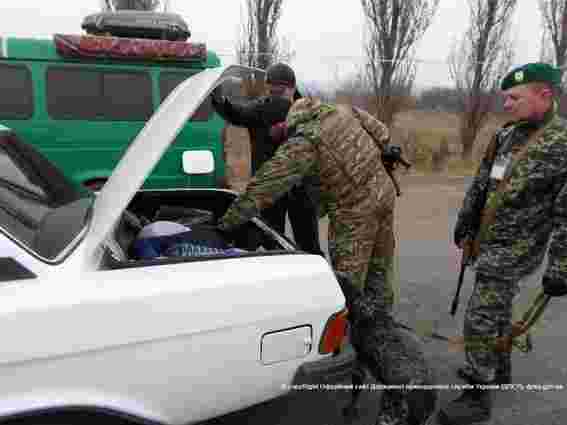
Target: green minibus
81,99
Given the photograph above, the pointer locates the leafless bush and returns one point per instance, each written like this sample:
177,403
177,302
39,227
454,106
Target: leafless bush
478,61
394,28
258,45
554,15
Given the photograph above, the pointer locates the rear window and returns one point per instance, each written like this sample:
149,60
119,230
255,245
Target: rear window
38,206
88,94
16,99
170,80
23,203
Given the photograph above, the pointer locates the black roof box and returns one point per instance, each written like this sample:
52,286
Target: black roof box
137,24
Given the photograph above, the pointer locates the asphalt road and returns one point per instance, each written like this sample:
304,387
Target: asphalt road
427,276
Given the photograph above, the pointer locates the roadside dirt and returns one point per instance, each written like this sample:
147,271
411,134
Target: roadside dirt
427,205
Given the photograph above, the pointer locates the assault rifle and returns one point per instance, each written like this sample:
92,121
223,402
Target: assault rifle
471,246
469,256
391,158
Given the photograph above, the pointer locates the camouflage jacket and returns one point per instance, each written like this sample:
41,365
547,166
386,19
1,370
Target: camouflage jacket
530,212
337,156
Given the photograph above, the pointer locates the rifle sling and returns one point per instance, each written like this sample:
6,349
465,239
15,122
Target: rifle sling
488,214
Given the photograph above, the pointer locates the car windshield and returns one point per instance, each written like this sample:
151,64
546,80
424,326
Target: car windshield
39,207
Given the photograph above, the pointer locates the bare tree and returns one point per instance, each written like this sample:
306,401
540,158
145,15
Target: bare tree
554,15
477,63
546,49
395,27
246,53
258,45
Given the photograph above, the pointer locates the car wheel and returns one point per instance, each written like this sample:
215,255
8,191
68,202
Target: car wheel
70,419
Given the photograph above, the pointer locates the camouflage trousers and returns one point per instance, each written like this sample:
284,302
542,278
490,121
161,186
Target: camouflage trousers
488,316
362,247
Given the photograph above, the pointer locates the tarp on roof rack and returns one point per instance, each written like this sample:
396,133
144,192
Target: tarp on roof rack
89,46
138,24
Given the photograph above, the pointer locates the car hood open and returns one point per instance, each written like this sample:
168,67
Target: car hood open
148,147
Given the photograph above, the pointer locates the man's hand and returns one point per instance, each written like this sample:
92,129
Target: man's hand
278,133
470,250
554,287
217,97
228,234
462,239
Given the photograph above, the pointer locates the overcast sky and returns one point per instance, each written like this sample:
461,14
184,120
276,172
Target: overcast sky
326,36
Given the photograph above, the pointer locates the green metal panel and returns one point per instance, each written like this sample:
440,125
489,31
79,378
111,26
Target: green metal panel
87,150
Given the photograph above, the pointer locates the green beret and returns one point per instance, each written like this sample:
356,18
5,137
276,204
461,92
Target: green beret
532,73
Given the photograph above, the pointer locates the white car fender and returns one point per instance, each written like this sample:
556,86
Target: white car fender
192,319
40,402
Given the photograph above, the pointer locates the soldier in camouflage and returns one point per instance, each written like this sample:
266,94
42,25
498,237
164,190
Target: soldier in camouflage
520,195
336,150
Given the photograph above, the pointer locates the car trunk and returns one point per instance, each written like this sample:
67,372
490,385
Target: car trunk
193,208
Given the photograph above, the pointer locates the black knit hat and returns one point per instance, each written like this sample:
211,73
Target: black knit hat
280,74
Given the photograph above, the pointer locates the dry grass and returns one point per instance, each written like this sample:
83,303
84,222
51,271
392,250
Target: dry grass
430,140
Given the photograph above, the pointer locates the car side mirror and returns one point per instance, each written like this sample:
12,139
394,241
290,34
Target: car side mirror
198,162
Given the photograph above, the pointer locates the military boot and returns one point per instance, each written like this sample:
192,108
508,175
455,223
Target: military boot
473,406
503,372
503,376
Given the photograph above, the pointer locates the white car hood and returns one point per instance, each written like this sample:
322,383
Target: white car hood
149,146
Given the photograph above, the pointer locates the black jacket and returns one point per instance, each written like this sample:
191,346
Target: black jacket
257,116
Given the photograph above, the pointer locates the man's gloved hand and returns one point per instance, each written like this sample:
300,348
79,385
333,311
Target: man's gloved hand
229,234
554,287
217,96
278,133
220,226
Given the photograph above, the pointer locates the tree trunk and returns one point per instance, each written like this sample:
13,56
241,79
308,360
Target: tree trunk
467,140
264,58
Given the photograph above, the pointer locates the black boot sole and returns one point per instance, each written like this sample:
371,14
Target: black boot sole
442,419
500,379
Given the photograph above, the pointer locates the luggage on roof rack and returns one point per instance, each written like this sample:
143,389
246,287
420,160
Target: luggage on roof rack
97,47
137,24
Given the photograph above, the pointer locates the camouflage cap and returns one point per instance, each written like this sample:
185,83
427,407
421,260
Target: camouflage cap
532,73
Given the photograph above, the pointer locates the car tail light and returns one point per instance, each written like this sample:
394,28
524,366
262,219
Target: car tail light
334,332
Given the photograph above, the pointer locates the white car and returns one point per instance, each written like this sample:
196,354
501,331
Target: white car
87,326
